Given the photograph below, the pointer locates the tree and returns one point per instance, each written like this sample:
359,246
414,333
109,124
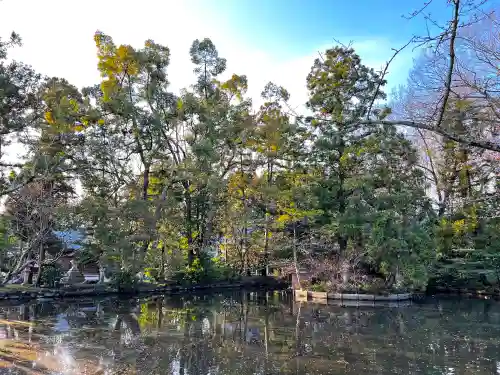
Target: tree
359,177
463,176
276,143
32,212
174,184
19,111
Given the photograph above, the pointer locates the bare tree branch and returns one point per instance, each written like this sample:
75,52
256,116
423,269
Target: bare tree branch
454,27
384,73
487,145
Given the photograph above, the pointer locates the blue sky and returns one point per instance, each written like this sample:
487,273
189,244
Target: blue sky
296,26
264,39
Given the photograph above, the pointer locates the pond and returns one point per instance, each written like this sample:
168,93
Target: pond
248,333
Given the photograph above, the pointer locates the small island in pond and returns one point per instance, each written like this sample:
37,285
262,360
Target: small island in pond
131,185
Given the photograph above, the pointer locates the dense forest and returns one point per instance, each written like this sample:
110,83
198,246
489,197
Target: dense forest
365,189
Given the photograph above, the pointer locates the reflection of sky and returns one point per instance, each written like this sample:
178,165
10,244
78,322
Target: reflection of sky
206,326
176,366
58,353
62,324
91,347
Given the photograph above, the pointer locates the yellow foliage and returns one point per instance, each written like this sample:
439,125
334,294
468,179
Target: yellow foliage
449,145
283,218
115,64
74,105
237,85
180,104
183,243
473,218
458,226
344,159
443,222
49,117
123,52
108,87
360,151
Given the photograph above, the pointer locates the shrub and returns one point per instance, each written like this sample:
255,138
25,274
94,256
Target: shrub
51,274
205,270
190,274
318,287
152,273
217,270
124,280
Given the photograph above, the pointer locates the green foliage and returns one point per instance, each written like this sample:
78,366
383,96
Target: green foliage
206,270
152,273
202,187
318,287
124,280
51,274
193,273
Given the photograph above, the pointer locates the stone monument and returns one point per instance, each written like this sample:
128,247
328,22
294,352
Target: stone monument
73,276
102,274
27,273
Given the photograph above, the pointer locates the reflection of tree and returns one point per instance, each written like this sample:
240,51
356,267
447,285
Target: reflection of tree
127,321
239,334
298,341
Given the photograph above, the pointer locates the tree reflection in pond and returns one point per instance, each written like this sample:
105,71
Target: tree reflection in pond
247,333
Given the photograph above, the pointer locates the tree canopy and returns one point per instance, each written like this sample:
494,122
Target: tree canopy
200,183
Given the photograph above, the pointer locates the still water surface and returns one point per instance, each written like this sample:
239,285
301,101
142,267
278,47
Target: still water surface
248,333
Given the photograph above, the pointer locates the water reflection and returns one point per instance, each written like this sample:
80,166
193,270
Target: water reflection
248,333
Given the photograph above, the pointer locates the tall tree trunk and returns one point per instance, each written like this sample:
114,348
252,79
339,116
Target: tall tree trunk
244,239
341,199
295,260
225,250
242,256
145,183
448,191
245,253
189,226
208,228
161,274
144,195
265,271
157,218
41,259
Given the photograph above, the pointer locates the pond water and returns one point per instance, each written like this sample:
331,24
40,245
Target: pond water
248,333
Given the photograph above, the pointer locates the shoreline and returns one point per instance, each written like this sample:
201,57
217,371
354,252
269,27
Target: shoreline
307,295
23,293
463,292
362,299
26,293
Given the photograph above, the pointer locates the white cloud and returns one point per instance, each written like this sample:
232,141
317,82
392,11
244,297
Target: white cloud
58,41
